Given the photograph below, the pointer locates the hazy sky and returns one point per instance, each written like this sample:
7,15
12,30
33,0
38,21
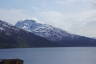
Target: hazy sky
75,16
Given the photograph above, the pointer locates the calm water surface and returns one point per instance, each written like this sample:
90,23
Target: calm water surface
59,55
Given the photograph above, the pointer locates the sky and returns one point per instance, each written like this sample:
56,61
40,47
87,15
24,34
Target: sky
74,16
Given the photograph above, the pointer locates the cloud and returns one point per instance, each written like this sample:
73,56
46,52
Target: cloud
12,15
71,22
74,5
75,16
72,2
89,29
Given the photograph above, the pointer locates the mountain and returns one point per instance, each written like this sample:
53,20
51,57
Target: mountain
44,30
13,37
56,35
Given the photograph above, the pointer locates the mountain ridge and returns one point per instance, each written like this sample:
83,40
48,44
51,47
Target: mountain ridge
44,30
56,35
14,37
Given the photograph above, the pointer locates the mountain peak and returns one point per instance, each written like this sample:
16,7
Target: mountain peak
26,24
44,30
28,21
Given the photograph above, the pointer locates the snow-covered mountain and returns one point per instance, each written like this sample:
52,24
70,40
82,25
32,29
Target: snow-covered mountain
44,30
13,37
56,35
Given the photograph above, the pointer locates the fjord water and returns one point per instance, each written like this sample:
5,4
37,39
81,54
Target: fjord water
59,55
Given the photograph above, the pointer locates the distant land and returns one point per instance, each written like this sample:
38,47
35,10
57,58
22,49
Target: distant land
29,34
